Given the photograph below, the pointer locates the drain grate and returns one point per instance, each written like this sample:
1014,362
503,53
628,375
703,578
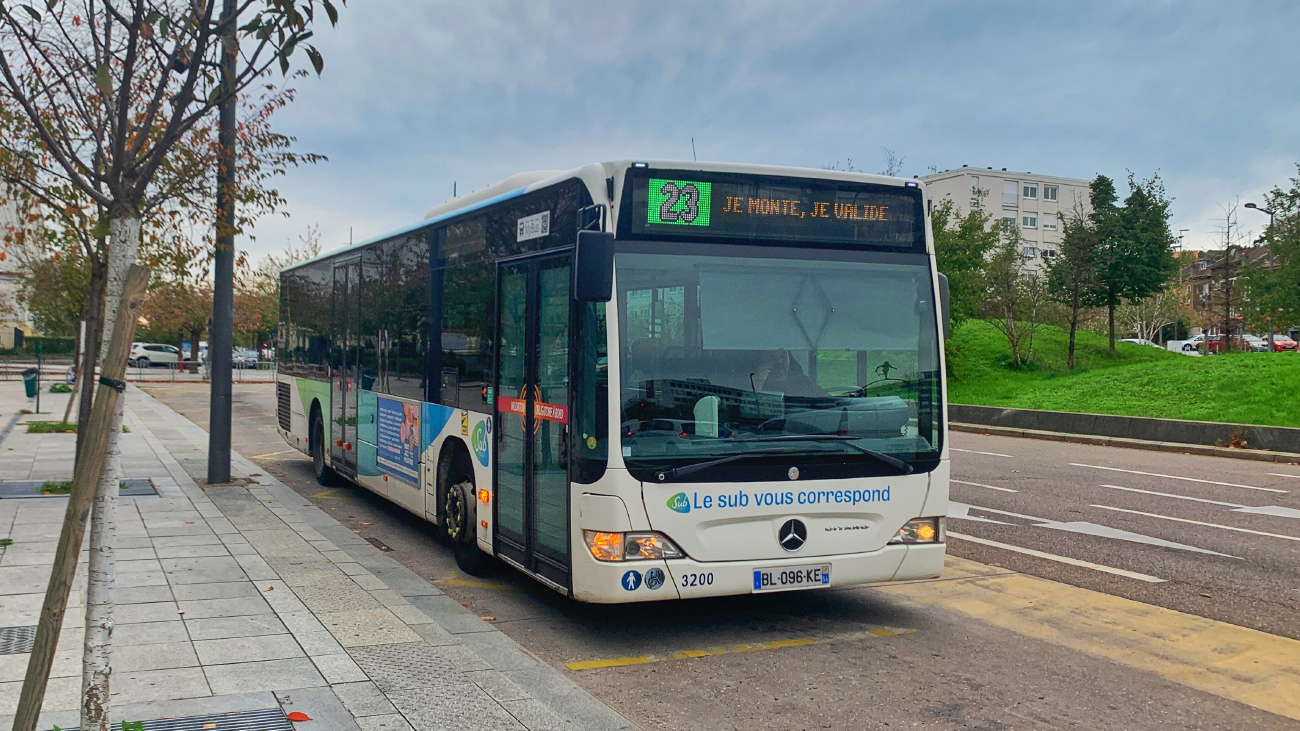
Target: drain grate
16,640
270,719
378,544
134,487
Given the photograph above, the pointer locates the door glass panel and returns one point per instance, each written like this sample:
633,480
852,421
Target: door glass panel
352,328
338,339
511,396
550,448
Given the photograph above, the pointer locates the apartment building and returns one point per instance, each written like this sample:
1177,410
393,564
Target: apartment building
1035,203
15,322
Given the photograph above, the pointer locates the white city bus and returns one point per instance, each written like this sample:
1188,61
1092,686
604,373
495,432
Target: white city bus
641,380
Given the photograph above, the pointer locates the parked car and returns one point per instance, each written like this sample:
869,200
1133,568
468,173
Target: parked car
1283,344
1252,343
147,355
243,358
1139,341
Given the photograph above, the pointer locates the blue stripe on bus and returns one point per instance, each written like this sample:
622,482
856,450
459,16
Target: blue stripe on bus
415,226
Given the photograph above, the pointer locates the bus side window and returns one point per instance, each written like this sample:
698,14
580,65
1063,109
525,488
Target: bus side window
468,299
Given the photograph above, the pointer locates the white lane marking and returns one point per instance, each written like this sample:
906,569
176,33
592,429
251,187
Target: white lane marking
1198,522
1179,477
961,511
1274,510
1062,559
1281,474
1180,497
1085,528
972,451
976,484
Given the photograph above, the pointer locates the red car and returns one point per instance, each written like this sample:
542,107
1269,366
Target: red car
1282,343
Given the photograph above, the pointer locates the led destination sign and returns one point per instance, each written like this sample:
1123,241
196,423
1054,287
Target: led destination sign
695,204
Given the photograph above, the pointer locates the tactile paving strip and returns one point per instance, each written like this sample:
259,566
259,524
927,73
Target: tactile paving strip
16,640
270,719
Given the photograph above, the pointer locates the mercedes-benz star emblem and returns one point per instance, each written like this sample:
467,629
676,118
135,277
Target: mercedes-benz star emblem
793,535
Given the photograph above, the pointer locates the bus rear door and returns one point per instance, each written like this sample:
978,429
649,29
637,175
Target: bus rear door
345,320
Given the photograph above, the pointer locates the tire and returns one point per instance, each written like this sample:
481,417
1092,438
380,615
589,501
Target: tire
323,473
142,362
459,524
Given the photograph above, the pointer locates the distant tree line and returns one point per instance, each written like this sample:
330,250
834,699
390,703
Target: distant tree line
1116,255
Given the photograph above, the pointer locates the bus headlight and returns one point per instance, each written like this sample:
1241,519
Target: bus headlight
920,530
630,546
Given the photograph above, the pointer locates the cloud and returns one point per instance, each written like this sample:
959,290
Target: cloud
417,95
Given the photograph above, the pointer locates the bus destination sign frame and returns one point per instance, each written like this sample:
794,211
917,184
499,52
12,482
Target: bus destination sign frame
761,208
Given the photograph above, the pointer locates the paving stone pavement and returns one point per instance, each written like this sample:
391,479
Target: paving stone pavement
243,598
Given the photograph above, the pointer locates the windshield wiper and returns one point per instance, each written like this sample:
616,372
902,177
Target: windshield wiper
673,473
846,440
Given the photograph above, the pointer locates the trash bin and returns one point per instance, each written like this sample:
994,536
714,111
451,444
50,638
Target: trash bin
29,381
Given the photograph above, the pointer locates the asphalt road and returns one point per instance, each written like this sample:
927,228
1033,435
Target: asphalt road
867,658
1219,538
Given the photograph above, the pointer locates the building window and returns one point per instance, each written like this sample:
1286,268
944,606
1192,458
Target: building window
1029,252
1010,189
1029,220
1049,222
1029,191
974,189
1049,192
1009,218
1049,253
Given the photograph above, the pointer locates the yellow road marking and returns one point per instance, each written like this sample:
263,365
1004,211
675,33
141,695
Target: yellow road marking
1240,664
273,454
331,494
619,662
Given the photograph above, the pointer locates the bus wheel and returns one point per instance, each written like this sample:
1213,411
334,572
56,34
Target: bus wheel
459,523
323,473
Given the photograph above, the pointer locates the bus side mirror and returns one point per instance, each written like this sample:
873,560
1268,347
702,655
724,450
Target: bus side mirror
593,267
943,303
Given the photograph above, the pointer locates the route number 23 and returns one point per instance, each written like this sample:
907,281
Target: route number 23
675,194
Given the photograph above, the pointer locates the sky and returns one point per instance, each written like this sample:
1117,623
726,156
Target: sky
418,94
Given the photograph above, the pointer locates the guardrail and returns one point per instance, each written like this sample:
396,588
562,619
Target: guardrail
262,372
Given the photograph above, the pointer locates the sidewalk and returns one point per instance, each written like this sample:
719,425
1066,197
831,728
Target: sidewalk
241,599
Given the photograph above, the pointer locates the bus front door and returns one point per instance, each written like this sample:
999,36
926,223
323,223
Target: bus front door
532,416
345,317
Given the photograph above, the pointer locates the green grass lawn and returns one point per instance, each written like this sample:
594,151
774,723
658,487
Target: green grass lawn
1138,380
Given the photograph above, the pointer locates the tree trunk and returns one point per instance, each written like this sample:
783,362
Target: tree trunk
95,667
77,347
1074,328
90,356
195,334
1110,316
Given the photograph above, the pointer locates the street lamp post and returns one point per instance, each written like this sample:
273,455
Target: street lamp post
1261,209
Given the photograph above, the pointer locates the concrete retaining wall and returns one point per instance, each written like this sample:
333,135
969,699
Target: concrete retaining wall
1275,438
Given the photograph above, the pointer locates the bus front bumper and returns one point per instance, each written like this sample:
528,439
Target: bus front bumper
639,581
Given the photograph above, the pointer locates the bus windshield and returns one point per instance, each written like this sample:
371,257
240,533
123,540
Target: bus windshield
774,352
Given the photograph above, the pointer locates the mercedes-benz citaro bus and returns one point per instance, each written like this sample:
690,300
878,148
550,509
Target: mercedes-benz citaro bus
639,381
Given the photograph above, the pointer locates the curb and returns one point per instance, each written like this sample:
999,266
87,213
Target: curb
1255,455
